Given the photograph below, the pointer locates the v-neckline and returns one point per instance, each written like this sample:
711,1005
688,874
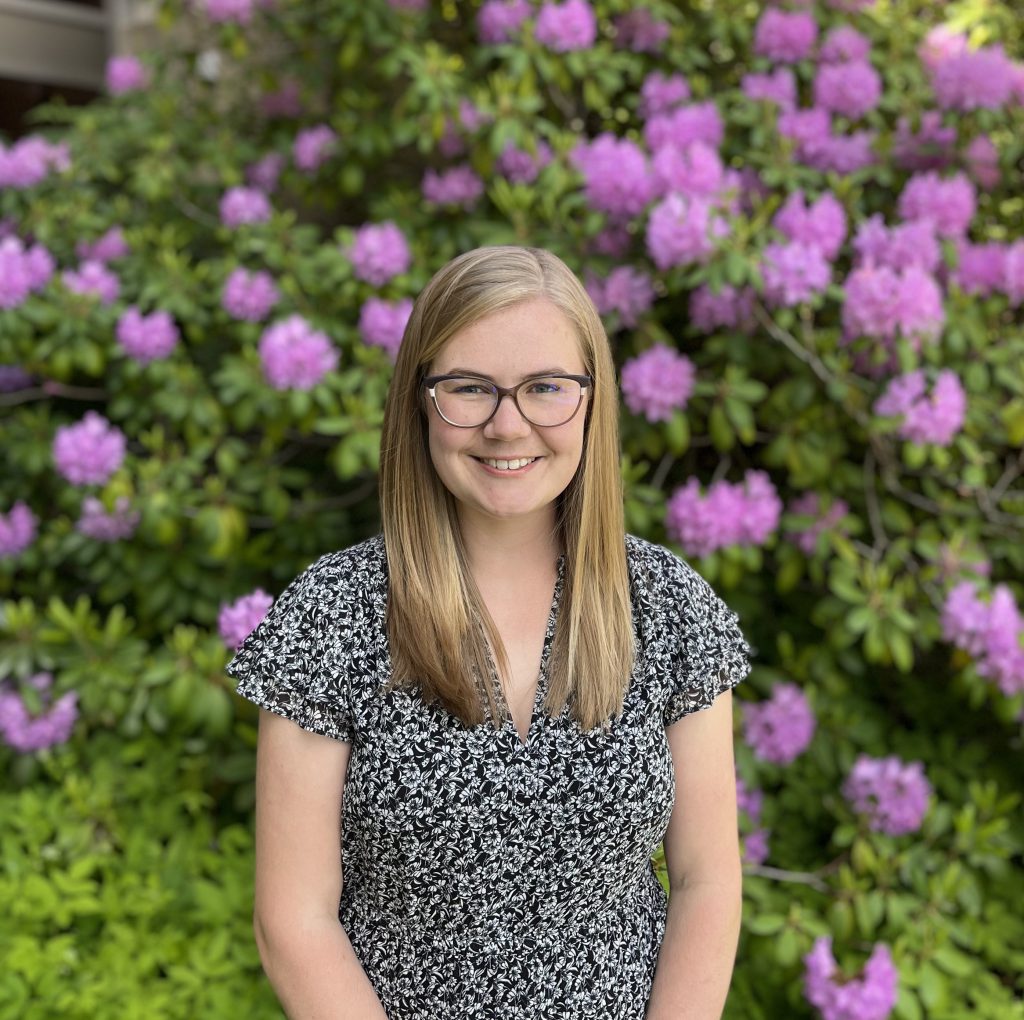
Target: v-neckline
542,676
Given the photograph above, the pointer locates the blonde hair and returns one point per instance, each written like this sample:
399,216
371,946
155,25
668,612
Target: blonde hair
437,623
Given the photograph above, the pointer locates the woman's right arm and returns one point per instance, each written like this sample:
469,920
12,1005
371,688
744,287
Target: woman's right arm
307,956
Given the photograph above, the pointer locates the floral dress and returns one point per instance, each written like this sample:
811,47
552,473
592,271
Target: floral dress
485,876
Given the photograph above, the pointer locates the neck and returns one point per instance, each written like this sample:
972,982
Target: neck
497,547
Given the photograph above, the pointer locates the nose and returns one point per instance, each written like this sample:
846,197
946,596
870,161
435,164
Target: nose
507,422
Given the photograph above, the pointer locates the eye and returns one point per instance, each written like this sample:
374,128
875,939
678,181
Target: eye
543,386
471,389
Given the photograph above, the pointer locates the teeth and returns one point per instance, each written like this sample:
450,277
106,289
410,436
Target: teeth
508,465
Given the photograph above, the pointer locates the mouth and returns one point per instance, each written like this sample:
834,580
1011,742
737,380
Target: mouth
509,466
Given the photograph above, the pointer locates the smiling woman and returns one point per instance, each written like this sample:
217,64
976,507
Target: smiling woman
503,676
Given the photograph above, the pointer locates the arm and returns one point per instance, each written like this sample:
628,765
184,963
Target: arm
300,779
702,855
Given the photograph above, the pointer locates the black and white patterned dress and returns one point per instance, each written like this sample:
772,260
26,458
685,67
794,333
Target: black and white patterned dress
486,877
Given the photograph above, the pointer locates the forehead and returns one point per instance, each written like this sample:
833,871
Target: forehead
532,336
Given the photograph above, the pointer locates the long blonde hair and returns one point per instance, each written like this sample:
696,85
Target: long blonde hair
437,623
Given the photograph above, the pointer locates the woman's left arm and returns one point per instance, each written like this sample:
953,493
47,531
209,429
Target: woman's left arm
702,855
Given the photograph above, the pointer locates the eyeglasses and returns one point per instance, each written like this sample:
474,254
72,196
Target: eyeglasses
468,402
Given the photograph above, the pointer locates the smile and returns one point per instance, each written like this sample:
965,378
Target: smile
507,466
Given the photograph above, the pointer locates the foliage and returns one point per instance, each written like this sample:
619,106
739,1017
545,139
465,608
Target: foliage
129,889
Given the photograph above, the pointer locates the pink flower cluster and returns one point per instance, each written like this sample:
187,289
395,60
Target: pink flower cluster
638,30
745,513
238,619
382,323
94,279
568,26
947,203
930,147
379,252
125,74
456,186
616,177
31,160
851,89
991,633
660,93
820,224
906,244
285,101
244,205
17,530
810,505
313,147
658,382
883,303
264,173
238,12
89,452
107,248
682,231
964,79
498,21
794,273
23,271
778,86
522,167
683,125
147,338
869,997
294,355
755,842
893,795
785,36
249,296
933,418
729,308
780,729
52,726
626,291
844,43
13,378
819,148
97,523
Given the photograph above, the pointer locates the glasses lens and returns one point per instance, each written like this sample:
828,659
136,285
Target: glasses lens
465,401
550,401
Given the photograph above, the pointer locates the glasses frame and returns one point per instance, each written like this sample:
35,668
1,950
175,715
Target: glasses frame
586,385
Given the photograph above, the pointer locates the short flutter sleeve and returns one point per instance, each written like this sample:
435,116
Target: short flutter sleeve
292,663
709,652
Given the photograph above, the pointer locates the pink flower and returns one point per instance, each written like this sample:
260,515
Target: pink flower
657,383
810,505
729,308
382,323
930,148
263,174
794,273
682,231
99,525
821,224
627,291
786,37
869,997
779,87
660,93
294,355
457,186
30,161
615,173
981,268
110,246
935,418
379,252
694,171
238,619
249,296
850,89
974,79
780,729
244,205
17,530
125,74
949,203
498,21
899,247
982,159
237,11
520,166
893,794
89,452
52,726
844,43
147,338
696,122
567,26
313,147
639,31
95,279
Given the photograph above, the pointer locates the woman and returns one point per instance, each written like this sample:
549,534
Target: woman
503,691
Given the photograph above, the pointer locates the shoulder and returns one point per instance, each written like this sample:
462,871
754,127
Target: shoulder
345,576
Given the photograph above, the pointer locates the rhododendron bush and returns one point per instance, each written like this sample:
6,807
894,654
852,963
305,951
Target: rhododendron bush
803,225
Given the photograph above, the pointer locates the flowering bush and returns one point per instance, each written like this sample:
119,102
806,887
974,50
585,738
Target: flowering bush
802,225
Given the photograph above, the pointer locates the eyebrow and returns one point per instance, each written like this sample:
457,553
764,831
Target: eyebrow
483,375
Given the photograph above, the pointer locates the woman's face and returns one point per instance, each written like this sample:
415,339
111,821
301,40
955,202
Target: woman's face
527,339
